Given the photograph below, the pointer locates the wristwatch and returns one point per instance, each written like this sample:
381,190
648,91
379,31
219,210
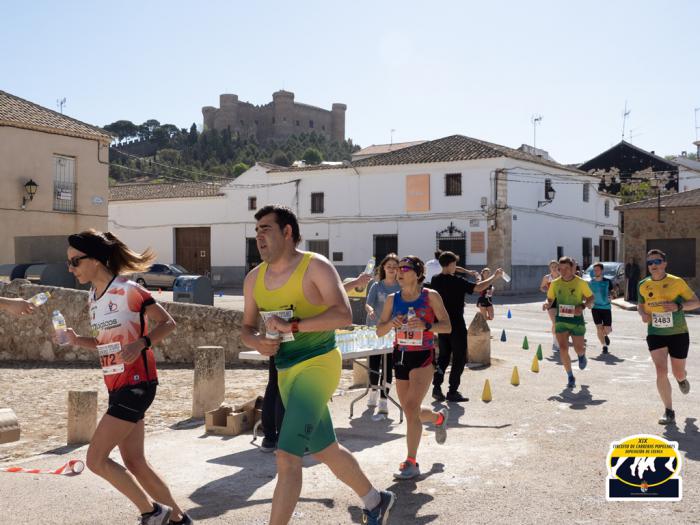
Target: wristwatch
295,324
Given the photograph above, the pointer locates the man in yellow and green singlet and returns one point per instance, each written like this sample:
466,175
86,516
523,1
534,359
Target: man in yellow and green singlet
301,299
572,294
662,299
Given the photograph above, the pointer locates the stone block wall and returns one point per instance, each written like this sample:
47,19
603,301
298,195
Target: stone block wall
678,223
30,338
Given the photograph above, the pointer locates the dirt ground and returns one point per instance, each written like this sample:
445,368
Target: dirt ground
38,394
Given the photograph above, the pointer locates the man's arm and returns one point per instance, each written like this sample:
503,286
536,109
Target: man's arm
16,306
358,282
482,285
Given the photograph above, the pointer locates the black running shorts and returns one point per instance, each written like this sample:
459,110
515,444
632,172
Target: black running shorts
404,362
602,316
677,344
131,402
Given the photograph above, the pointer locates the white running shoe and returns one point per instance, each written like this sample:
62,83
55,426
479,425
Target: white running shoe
372,398
159,516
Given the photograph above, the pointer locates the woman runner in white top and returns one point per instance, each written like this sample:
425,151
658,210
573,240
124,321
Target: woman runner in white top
544,286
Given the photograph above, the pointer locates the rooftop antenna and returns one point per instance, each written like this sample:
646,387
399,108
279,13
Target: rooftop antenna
60,103
625,114
391,139
535,119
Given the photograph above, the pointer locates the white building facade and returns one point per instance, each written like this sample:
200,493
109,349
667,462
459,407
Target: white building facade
486,202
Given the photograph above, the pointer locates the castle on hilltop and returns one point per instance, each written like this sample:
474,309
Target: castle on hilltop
276,120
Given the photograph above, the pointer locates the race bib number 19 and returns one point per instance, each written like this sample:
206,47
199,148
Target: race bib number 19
408,338
566,310
111,359
662,320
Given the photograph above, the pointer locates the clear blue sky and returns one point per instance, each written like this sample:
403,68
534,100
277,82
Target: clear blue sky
425,69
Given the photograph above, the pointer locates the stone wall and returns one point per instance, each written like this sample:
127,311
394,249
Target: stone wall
678,223
30,338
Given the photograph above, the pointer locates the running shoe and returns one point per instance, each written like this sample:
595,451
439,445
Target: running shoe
379,515
607,341
669,417
582,362
268,445
382,406
185,520
159,516
571,383
407,470
438,395
605,349
441,430
684,386
372,398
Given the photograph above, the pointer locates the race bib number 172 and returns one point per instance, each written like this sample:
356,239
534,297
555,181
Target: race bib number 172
111,359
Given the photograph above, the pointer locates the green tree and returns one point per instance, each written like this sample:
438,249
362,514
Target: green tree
280,158
239,168
312,156
122,129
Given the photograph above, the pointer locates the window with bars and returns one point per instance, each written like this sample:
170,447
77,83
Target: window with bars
317,203
453,184
607,208
64,186
252,203
586,192
318,246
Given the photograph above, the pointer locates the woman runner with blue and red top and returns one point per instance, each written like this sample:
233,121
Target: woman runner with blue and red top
416,313
119,313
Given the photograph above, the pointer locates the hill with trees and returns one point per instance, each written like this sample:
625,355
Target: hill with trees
153,151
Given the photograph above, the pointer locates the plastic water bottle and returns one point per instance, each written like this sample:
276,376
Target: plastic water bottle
369,269
506,277
59,324
411,314
40,298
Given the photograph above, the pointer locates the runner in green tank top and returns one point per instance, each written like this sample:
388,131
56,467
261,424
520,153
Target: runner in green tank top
301,299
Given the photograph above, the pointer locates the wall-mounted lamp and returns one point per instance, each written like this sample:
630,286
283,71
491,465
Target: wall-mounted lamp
549,194
30,188
484,203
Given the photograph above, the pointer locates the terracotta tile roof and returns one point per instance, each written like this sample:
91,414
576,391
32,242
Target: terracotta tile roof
19,113
677,200
447,149
177,190
450,149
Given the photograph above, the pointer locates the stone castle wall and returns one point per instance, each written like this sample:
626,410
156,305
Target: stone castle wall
276,120
30,338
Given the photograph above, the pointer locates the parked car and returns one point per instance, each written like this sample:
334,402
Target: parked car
159,275
614,271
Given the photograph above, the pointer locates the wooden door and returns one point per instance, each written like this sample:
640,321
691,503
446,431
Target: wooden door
193,249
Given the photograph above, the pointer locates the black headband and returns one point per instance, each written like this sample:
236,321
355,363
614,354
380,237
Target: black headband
94,246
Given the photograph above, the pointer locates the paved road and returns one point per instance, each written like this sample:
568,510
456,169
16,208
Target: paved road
535,454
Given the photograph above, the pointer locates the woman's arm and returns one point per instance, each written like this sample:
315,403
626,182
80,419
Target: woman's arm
442,324
165,325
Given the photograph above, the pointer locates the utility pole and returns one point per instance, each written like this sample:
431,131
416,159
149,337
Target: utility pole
535,119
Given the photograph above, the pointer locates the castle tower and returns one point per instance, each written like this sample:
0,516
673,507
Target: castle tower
338,122
283,113
209,113
227,115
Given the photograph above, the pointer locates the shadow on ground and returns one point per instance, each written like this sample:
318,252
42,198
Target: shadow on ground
688,440
577,400
256,469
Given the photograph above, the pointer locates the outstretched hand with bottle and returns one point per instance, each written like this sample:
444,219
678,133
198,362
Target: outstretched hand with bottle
16,306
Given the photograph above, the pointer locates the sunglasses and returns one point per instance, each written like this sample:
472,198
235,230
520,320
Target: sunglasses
75,261
405,269
654,262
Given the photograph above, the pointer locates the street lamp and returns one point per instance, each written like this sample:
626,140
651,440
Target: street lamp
549,193
30,188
